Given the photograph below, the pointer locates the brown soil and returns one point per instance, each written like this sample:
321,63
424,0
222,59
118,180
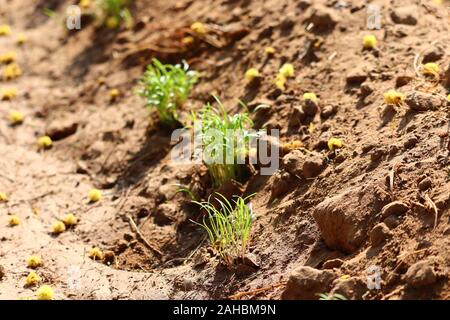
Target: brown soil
336,222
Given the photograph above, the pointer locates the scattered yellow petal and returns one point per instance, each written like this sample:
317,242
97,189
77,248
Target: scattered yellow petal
101,80
8,57
14,220
84,4
310,96
34,261
44,293
112,22
32,279
21,39
251,74
431,68
448,97
96,254
5,30
369,41
312,127
3,197
288,146
114,93
198,27
8,93
94,195
70,219
344,277
187,40
287,70
11,71
280,82
58,227
334,143
393,97
44,142
15,117
270,51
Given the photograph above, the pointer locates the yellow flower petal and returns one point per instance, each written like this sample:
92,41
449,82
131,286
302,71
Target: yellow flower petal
14,220
8,57
8,93
70,219
16,117
280,82
11,71
94,195
44,293
21,39
114,93
188,40
269,51
198,27
334,143
287,70
112,22
44,142
58,227
393,97
5,30
96,254
34,261
84,4
344,277
369,41
251,74
3,197
431,68
32,279
310,96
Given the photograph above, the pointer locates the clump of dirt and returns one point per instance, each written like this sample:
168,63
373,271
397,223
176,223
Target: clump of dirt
326,222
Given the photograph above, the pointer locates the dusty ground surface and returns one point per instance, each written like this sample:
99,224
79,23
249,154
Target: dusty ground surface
339,223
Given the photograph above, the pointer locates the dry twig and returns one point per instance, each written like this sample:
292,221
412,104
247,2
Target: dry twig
141,236
430,205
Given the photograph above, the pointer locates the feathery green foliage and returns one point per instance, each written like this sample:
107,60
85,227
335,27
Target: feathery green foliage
166,87
329,296
224,139
229,227
186,190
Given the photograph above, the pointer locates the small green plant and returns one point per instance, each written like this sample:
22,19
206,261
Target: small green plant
331,296
228,227
187,191
225,142
114,12
49,12
166,87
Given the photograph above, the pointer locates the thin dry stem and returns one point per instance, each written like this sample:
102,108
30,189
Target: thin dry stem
430,205
139,233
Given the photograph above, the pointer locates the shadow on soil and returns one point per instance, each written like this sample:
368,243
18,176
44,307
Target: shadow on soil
155,147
